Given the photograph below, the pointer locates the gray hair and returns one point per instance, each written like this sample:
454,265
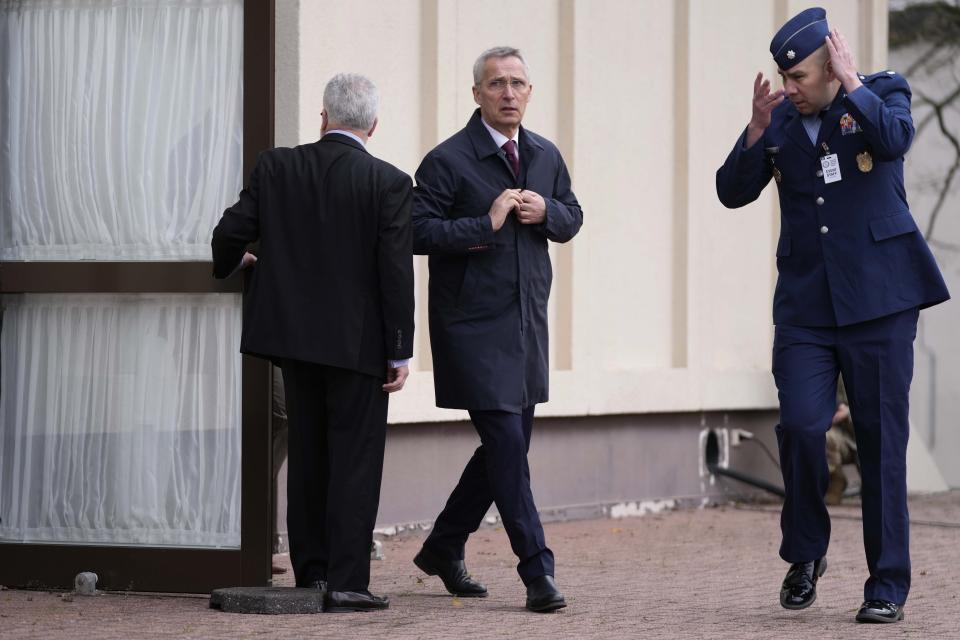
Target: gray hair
351,100
496,52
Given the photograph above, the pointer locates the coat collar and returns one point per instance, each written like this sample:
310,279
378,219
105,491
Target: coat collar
342,139
794,128
794,125
484,146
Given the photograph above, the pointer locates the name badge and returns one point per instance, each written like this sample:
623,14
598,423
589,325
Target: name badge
831,168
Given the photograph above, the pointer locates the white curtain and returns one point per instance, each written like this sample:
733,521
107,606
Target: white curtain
120,419
120,127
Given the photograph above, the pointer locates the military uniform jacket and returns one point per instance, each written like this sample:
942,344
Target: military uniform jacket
849,251
488,291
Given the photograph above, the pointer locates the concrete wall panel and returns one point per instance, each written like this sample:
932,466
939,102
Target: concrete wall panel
662,303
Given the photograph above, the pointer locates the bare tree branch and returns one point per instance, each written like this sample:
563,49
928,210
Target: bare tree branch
938,109
933,114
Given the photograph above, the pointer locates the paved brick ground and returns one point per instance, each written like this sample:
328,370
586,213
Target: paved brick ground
711,573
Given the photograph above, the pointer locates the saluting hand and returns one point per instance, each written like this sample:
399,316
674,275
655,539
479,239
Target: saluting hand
533,208
505,203
841,61
764,102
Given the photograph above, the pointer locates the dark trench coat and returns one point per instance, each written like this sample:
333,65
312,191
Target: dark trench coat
488,291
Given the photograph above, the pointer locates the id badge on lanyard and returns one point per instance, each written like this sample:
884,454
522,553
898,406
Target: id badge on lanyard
830,165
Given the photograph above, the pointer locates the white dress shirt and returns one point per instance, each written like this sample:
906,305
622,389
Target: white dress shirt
500,139
349,134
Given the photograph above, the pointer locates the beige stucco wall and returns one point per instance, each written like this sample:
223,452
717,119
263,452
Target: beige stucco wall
662,303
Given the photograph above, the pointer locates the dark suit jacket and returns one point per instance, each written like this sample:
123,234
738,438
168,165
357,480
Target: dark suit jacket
334,281
849,251
489,291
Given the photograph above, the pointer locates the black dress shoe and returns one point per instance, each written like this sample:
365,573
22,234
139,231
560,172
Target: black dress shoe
543,595
453,573
344,601
799,588
880,611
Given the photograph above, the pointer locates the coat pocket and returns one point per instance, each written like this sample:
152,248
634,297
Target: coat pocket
783,247
468,285
892,226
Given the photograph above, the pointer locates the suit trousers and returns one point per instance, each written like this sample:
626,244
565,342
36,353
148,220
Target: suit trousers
876,361
497,473
337,421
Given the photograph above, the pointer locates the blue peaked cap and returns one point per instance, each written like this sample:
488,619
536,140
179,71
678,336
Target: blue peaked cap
802,35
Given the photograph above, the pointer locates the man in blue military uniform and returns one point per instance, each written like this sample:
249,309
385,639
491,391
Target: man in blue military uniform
854,271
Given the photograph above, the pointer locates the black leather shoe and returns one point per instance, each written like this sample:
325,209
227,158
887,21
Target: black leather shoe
880,611
453,573
543,595
344,601
799,588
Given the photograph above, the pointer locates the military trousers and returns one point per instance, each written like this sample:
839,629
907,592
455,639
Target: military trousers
497,473
876,361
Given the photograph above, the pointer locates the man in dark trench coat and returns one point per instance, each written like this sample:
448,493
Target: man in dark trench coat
487,201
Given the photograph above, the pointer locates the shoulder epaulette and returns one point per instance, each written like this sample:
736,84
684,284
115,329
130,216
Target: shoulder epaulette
876,76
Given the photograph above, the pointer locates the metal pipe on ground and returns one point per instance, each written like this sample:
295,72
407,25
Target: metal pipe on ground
712,459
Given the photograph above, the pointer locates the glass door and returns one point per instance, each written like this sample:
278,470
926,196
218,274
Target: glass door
134,438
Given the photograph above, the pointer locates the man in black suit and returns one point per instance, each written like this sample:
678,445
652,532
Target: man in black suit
487,202
330,298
